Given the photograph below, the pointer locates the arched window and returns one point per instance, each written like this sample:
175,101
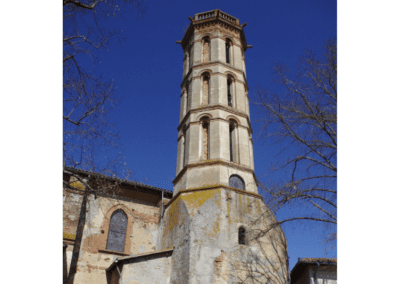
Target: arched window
236,181
206,49
228,44
206,89
233,143
205,139
231,139
242,236
229,92
117,231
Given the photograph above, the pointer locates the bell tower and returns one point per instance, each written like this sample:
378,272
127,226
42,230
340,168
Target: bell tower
213,222
215,144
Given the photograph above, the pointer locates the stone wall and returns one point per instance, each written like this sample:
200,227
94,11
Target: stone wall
202,226
142,235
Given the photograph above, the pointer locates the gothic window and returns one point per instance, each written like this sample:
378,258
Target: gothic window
117,231
206,89
242,236
236,182
228,50
206,49
205,139
229,91
231,139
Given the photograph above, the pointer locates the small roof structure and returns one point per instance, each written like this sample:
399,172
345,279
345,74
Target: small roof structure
138,256
302,264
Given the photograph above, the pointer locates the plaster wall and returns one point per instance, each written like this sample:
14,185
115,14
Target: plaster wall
148,269
324,275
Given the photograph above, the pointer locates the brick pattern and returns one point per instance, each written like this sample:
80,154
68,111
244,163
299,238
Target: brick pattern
204,143
206,87
206,50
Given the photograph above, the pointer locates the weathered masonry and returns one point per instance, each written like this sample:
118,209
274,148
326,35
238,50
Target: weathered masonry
122,221
214,227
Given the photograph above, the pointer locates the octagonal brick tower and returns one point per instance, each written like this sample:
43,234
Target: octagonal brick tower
215,137
213,221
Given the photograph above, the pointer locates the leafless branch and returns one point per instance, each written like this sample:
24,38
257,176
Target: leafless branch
301,119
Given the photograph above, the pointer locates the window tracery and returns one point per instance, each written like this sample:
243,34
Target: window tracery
236,181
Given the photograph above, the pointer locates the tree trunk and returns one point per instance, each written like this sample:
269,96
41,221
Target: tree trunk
78,239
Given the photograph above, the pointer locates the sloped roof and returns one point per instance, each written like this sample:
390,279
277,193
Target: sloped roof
320,260
140,255
168,193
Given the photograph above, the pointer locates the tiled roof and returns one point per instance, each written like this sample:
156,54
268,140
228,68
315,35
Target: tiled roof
315,260
124,181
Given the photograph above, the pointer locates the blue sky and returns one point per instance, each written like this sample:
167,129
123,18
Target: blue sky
368,75
147,71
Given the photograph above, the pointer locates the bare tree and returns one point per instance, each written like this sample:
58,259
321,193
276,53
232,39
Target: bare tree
300,120
87,100
89,97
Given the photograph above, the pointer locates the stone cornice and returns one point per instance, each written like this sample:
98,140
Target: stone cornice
213,107
226,76
214,63
214,162
210,187
218,118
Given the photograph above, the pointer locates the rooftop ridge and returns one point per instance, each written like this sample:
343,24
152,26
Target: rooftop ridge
130,182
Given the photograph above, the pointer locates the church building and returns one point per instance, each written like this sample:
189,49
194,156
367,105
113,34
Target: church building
214,227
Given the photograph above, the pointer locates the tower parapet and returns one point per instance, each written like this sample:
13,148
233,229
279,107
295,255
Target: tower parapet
215,136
